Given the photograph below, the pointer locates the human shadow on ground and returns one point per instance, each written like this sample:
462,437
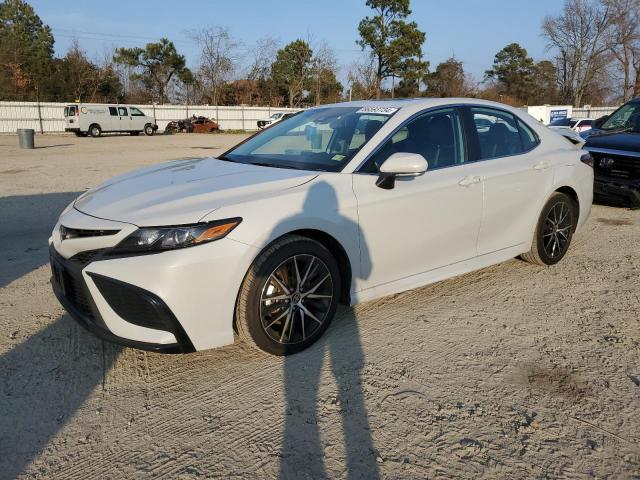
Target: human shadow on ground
26,222
54,146
44,381
302,452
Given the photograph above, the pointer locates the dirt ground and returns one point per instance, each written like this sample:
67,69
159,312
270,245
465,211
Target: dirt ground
514,371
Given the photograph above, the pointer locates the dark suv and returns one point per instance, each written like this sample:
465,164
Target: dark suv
614,144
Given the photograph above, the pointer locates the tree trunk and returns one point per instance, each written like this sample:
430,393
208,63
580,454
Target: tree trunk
636,86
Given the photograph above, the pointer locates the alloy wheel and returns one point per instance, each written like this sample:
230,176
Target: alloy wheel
556,233
296,299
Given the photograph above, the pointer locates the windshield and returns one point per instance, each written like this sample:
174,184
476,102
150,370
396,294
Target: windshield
318,139
626,117
563,122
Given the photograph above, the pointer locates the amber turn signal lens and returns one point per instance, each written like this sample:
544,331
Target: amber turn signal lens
217,231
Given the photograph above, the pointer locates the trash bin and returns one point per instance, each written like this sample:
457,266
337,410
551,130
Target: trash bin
25,137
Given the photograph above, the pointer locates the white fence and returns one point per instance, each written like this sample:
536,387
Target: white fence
49,117
594,112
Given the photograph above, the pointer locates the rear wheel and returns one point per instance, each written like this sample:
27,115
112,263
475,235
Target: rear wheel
148,130
554,231
288,297
95,131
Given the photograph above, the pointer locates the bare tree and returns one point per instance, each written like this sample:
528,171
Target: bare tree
579,36
624,40
219,57
362,79
324,70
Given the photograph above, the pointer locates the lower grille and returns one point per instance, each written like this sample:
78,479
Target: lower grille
73,289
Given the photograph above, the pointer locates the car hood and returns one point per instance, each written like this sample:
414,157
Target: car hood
628,141
184,191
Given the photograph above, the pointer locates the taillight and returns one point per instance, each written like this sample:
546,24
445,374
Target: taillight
587,159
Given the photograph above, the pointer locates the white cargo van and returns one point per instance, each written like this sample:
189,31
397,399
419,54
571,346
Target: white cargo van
83,119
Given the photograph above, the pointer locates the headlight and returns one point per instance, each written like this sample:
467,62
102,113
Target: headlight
158,239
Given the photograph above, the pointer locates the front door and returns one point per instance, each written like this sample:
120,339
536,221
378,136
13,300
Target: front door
123,120
424,222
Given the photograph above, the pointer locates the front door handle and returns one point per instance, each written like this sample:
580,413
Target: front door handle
541,166
469,180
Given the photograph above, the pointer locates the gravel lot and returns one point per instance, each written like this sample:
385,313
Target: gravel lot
514,371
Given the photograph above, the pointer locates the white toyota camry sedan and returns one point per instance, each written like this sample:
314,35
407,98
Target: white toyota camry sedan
338,204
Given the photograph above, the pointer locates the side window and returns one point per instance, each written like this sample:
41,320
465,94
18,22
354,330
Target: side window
72,110
113,111
528,137
500,134
135,112
66,111
437,136
122,111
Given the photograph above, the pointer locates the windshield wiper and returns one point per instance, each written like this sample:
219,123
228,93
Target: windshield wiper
618,130
265,164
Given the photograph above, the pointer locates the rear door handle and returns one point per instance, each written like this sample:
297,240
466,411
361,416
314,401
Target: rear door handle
541,166
469,180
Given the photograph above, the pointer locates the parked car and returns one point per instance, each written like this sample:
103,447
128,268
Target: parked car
615,147
192,124
204,125
575,124
275,118
90,119
339,204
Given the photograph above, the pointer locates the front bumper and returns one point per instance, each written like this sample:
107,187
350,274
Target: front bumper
617,190
174,301
73,293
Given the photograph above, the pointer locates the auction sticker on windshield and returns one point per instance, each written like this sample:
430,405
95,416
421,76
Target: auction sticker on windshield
378,110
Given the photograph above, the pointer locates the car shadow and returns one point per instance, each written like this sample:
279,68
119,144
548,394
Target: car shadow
25,226
302,446
44,381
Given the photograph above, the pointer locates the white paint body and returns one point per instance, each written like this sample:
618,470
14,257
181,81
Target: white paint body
429,227
127,118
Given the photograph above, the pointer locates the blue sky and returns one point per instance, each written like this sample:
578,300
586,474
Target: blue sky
473,30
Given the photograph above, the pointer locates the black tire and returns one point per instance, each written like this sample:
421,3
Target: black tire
149,130
78,134
95,131
259,326
554,231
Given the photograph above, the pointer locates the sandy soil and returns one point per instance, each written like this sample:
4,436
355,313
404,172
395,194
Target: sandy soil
514,371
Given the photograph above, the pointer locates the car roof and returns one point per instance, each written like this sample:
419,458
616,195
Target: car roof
421,103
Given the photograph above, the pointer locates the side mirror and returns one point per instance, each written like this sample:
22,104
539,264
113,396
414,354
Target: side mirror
598,122
400,164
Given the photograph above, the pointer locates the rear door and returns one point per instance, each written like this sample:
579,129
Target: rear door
516,176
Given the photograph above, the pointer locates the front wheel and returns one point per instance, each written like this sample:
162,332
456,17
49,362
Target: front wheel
554,230
288,297
148,130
